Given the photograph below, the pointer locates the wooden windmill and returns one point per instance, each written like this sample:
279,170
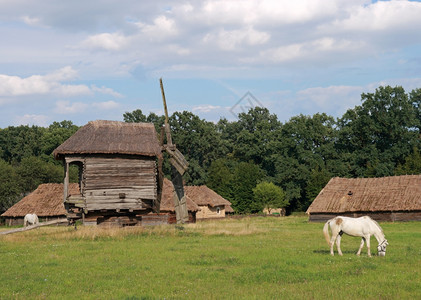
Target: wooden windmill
179,166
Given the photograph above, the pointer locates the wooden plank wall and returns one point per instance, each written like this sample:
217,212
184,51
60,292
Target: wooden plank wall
378,216
119,183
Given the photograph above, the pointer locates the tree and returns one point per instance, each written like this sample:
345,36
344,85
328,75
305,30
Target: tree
199,141
319,177
9,186
19,142
412,165
57,133
268,195
253,135
415,99
135,116
246,177
33,171
220,177
305,143
381,132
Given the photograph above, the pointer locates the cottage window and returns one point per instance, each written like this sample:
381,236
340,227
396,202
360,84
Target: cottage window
218,210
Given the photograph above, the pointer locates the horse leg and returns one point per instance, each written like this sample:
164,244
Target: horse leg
335,235
338,243
361,246
332,242
367,241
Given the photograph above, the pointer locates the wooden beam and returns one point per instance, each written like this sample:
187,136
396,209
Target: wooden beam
66,180
34,226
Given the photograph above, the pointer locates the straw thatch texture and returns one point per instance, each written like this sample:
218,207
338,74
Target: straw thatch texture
386,198
45,201
229,209
202,196
212,205
112,137
167,202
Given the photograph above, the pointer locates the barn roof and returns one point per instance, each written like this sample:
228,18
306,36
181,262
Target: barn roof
395,193
202,195
112,137
167,202
45,201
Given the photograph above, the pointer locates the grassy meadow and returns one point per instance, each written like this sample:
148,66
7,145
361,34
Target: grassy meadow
250,258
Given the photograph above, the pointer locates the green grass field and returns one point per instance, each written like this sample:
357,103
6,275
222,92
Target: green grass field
250,258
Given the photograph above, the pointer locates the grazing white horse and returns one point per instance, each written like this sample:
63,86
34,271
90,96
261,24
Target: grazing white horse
30,219
364,227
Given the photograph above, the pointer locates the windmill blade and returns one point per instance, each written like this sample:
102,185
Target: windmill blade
177,160
179,166
180,203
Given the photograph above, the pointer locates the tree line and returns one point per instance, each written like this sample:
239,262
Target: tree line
254,156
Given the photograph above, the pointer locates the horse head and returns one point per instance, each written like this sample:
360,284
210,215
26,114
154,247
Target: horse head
381,248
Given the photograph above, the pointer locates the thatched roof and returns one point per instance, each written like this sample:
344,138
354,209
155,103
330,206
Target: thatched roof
112,137
167,202
45,201
202,196
229,209
396,193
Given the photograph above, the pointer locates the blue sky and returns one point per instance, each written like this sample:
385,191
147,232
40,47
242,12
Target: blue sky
89,60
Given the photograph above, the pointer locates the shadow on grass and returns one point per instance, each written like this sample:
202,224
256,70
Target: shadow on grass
319,251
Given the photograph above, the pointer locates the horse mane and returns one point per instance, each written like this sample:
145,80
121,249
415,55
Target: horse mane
377,224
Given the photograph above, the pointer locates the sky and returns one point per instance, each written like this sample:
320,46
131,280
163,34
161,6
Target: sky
95,60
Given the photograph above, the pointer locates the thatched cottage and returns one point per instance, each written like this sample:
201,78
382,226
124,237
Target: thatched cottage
46,202
117,164
211,204
395,198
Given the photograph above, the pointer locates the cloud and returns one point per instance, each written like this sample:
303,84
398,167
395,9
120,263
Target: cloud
107,105
336,45
206,108
161,29
224,34
381,16
41,85
31,119
228,40
67,107
268,11
106,41
105,90
32,21
52,84
333,100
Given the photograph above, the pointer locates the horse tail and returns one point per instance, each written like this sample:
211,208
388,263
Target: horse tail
326,232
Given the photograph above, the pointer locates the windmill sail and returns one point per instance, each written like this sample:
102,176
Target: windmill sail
179,166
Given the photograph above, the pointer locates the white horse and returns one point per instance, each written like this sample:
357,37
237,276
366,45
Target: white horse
30,219
364,227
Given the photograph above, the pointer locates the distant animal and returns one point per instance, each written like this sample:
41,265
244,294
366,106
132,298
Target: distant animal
364,227
30,219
